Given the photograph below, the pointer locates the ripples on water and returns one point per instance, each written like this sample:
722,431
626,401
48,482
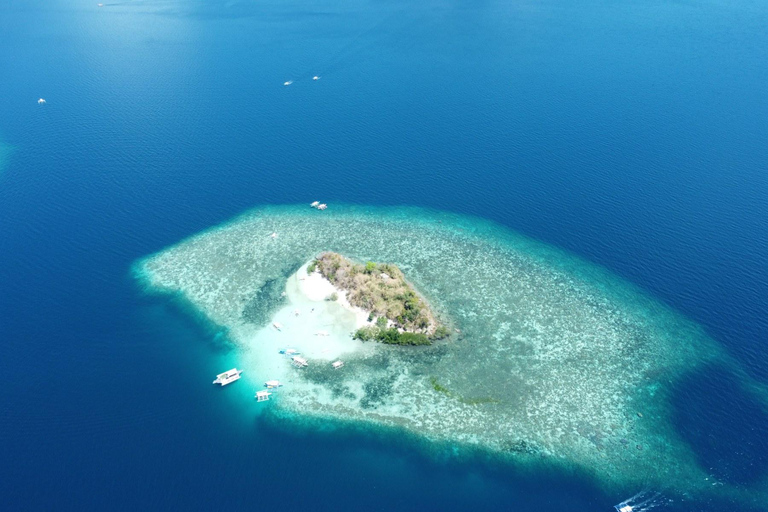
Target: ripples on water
555,358
632,134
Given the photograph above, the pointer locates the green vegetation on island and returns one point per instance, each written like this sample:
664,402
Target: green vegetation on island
391,336
402,317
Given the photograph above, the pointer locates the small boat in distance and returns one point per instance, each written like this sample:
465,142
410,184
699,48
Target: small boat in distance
277,325
315,78
322,206
290,352
315,204
41,101
337,365
228,377
271,384
262,396
289,82
273,235
299,362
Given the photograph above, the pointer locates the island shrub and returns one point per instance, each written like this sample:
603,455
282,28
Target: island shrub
367,333
440,333
334,296
381,322
370,267
413,338
390,336
312,267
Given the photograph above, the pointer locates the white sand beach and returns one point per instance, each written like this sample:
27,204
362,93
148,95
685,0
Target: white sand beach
315,287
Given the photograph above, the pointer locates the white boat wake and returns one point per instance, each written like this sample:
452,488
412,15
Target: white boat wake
644,500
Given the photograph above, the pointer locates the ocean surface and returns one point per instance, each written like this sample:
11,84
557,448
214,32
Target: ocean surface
631,134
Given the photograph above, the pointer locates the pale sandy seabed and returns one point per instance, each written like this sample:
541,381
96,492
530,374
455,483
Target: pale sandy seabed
555,359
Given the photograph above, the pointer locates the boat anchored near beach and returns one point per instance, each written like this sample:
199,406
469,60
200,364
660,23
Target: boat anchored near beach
272,384
262,396
299,362
228,377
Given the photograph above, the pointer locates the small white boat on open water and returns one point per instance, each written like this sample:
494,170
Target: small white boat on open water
228,377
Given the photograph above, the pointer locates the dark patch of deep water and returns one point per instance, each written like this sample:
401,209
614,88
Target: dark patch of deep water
728,444
633,134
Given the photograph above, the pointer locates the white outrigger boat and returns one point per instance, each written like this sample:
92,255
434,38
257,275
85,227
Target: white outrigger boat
337,365
228,377
322,206
262,396
299,362
271,384
289,82
315,204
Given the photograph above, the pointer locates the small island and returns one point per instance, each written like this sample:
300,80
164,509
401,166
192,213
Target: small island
401,316
542,369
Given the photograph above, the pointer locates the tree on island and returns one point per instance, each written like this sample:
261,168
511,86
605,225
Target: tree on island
403,317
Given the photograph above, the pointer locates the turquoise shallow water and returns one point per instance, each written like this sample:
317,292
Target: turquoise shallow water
553,359
631,135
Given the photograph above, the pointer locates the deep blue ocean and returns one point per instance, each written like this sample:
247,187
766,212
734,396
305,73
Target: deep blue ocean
631,133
